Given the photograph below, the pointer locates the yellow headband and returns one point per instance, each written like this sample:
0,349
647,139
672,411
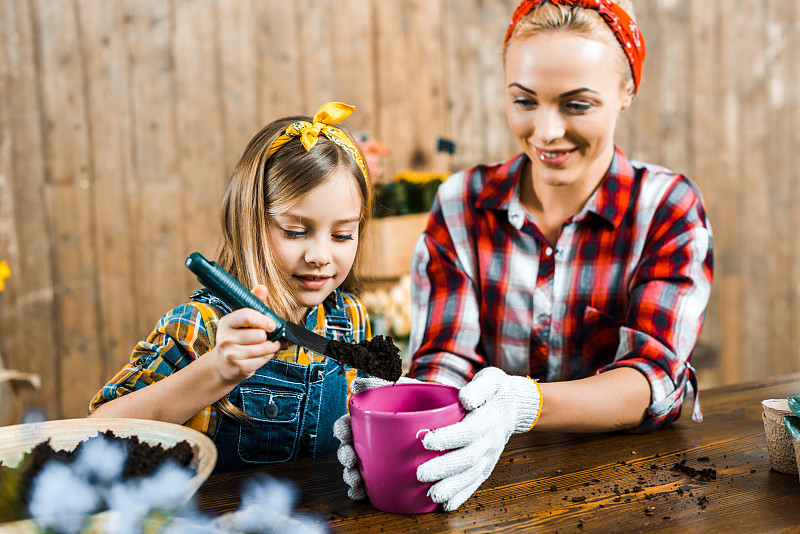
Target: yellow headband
327,114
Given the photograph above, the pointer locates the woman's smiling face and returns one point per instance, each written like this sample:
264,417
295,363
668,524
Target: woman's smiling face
315,241
563,97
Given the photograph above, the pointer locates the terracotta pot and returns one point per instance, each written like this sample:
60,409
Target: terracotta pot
780,444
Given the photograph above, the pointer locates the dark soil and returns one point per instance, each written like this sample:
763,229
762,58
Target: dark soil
142,459
378,357
706,473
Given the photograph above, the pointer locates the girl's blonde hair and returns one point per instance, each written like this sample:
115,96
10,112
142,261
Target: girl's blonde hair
262,187
584,21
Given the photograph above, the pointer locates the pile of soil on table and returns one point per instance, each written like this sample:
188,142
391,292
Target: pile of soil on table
378,357
141,459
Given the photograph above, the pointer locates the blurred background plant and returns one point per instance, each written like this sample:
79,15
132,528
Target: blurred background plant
389,309
410,192
374,151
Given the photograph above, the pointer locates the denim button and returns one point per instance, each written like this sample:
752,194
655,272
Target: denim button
271,410
305,439
316,374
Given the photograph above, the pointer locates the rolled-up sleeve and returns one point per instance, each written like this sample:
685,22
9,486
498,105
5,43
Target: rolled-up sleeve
446,324
180,337
669,294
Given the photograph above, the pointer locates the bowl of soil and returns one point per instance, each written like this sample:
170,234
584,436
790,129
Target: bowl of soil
779,443
148,446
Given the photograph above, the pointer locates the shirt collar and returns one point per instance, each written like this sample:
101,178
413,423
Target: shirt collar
610,200
500,184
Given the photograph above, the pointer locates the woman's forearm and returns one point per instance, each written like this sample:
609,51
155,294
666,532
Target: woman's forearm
613,400
175,399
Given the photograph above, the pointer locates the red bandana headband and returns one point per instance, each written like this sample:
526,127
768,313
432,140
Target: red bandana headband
623,27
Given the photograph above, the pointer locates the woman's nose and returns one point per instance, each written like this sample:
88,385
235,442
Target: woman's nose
549,125
318,252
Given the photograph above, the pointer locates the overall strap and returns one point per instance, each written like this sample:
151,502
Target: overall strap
337,325
205,296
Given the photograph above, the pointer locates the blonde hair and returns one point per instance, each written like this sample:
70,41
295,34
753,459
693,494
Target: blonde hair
262,187
584,21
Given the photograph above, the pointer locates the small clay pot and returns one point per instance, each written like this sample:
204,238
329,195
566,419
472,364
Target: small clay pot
781,446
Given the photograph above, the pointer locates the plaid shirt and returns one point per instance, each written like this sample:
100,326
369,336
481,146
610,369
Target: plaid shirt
626,284
190,330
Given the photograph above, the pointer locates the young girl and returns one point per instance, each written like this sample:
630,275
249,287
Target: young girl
292,218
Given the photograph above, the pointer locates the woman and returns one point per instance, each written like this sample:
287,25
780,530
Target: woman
569,263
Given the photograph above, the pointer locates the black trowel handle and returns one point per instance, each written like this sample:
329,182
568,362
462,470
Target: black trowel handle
230,291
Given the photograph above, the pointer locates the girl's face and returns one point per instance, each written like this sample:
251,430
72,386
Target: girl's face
315,241
563,97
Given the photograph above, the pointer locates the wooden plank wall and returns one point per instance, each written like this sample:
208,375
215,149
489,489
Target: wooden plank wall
120,120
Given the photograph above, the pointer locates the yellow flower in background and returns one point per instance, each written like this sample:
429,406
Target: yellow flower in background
5,272
420,177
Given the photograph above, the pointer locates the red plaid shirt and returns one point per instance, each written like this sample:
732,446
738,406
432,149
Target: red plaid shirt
626,284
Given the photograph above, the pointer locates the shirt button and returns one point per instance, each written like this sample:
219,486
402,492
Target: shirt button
305,439
271,410
548,252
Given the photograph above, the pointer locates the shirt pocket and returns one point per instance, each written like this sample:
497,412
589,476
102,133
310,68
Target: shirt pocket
272,432
599,339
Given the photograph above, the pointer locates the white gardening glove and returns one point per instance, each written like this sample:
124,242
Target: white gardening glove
497,405
344,433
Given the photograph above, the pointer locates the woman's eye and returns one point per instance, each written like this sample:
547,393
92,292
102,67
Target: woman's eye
342,237
524,102
292,234
579,107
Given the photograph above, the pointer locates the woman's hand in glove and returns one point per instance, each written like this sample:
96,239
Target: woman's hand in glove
497,405
344,433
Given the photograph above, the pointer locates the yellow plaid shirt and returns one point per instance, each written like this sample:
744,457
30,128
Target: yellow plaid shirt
190,330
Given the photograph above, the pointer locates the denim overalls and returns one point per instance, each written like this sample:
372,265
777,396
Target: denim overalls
292,407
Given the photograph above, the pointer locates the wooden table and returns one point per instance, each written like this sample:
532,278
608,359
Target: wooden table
551,482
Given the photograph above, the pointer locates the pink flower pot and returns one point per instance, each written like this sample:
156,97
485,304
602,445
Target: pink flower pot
388,425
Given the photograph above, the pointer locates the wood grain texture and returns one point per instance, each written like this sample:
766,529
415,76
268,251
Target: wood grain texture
395,85
548,482
138,111
28,301
199,131
107,88
238,81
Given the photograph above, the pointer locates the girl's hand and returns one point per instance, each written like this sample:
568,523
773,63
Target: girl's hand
242,346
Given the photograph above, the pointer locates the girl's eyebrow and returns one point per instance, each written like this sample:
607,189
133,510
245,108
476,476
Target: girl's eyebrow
305,220
562,95
350,220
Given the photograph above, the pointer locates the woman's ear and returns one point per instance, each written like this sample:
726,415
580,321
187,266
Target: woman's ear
628,94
